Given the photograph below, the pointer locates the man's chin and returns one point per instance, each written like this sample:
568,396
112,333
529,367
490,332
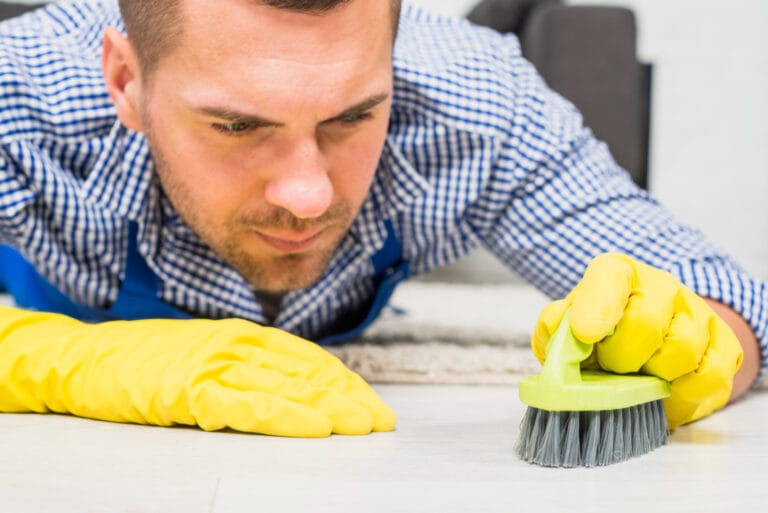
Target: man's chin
286,273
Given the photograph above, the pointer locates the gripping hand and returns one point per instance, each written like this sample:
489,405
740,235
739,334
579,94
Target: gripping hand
214,374
641,319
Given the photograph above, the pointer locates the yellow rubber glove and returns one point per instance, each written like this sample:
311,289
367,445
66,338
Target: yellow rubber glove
642,319
214,374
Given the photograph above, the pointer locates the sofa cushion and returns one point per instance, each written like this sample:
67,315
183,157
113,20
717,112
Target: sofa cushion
9,10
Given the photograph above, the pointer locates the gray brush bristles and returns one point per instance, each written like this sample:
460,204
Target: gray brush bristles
591,438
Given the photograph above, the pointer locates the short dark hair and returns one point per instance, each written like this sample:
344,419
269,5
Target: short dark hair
153,26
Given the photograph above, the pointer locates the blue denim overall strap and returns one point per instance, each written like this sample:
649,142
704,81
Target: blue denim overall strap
390,270
136,299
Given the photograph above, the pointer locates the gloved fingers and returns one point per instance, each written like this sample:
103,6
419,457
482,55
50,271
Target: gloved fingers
362,393
599,299
351,385
281,363
686,339
351,405
648,314
214,407
246,349
261,377
708,388
639,334
320,373
548,321
347,415
678,409
332,374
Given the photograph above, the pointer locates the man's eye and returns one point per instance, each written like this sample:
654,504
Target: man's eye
353,119
234,128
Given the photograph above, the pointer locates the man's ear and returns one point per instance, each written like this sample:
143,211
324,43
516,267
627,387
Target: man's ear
122,74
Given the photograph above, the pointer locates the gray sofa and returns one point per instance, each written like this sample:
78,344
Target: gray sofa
589,55
9,10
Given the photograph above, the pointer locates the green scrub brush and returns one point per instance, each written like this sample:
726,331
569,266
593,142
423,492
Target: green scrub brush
581,418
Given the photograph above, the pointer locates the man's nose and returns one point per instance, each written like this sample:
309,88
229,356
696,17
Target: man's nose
301,184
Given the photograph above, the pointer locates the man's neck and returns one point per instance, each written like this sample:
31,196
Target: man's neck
270,303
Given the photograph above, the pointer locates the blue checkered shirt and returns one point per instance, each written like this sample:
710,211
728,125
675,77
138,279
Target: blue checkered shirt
479,153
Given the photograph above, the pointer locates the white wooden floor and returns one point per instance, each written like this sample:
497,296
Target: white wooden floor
452,452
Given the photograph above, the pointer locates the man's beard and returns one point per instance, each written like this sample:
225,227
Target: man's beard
266,272
286,272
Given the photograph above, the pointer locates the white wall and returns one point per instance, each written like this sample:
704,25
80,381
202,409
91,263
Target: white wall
709,161
449,7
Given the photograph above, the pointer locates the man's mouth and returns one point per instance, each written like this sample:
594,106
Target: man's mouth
291,242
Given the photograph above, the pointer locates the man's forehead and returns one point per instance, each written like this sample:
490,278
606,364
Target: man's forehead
351,30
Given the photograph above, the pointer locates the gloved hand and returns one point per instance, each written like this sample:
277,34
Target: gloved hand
214,374
642,319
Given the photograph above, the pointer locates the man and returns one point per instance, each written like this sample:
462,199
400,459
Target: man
260,159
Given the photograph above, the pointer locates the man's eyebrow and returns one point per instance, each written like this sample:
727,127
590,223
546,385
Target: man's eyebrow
233,116
257,121
361,107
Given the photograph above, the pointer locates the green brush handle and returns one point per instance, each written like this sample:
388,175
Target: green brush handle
564,355
563,386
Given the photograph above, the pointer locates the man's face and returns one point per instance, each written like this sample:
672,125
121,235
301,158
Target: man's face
266,127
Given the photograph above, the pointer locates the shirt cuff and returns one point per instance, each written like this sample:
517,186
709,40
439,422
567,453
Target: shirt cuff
723,281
